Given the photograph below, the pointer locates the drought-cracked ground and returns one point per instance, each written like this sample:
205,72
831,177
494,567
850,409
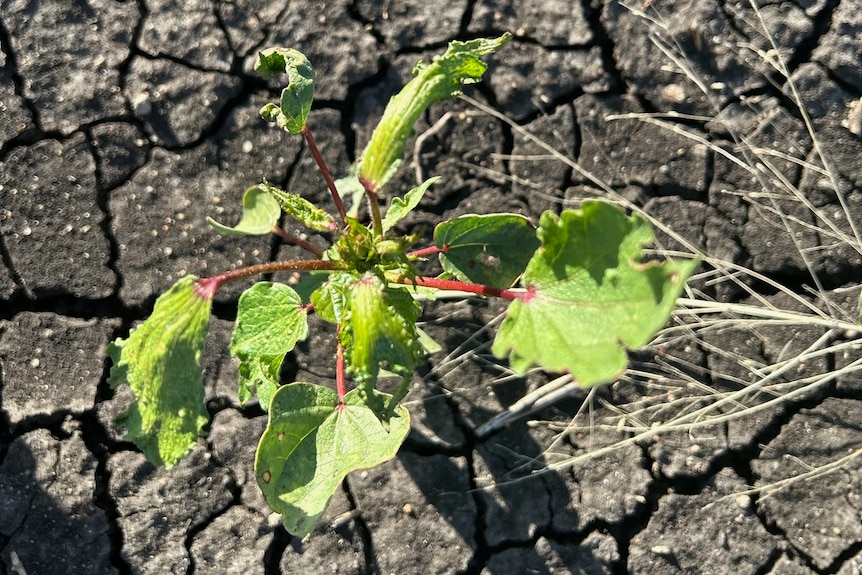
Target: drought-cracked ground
124,124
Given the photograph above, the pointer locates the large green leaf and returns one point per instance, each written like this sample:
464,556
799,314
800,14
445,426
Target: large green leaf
589,295
270,320
296,98
491,249
160,362
311,443
260,212
435,82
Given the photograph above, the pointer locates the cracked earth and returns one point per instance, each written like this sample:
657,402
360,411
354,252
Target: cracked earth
124,124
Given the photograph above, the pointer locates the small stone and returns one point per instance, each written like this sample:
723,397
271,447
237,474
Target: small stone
662,550
141,105
854,118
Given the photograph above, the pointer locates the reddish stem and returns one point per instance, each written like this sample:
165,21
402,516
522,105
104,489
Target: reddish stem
324,169
340,379
291,239
374,207
478,289
425,252
206,287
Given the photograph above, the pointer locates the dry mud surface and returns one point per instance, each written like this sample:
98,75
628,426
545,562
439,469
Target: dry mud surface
123,124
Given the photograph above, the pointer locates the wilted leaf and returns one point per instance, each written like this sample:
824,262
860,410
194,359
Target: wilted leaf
435,82
301,209
160,362
380,331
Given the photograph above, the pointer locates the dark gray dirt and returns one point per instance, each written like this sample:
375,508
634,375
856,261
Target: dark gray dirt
125,123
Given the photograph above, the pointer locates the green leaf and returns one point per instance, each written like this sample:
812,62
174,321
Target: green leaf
400,208
260,213
589,295
270,320
354,247
310,282
380,331
311,444
428,343
160,362
301,209
331,300
491,249
438,81
402,303
297,96
351,190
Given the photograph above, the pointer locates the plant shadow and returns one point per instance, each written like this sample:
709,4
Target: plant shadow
515,521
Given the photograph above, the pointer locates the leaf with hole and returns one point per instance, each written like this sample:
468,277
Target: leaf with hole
489,249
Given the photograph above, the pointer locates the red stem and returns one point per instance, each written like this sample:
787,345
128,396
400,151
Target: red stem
324,169
206,287
424,252
291,239
374,207
340,380
478,289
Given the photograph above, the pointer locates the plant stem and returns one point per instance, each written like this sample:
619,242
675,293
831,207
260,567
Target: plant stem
291,239
324,169
373,207
424,252
478,289
206,287
340,380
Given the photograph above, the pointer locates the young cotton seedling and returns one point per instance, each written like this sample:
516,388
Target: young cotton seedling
583,297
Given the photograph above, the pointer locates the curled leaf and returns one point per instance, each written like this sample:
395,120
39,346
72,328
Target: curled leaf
301,209
435,82
260,212
296,98
331,300
400,208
